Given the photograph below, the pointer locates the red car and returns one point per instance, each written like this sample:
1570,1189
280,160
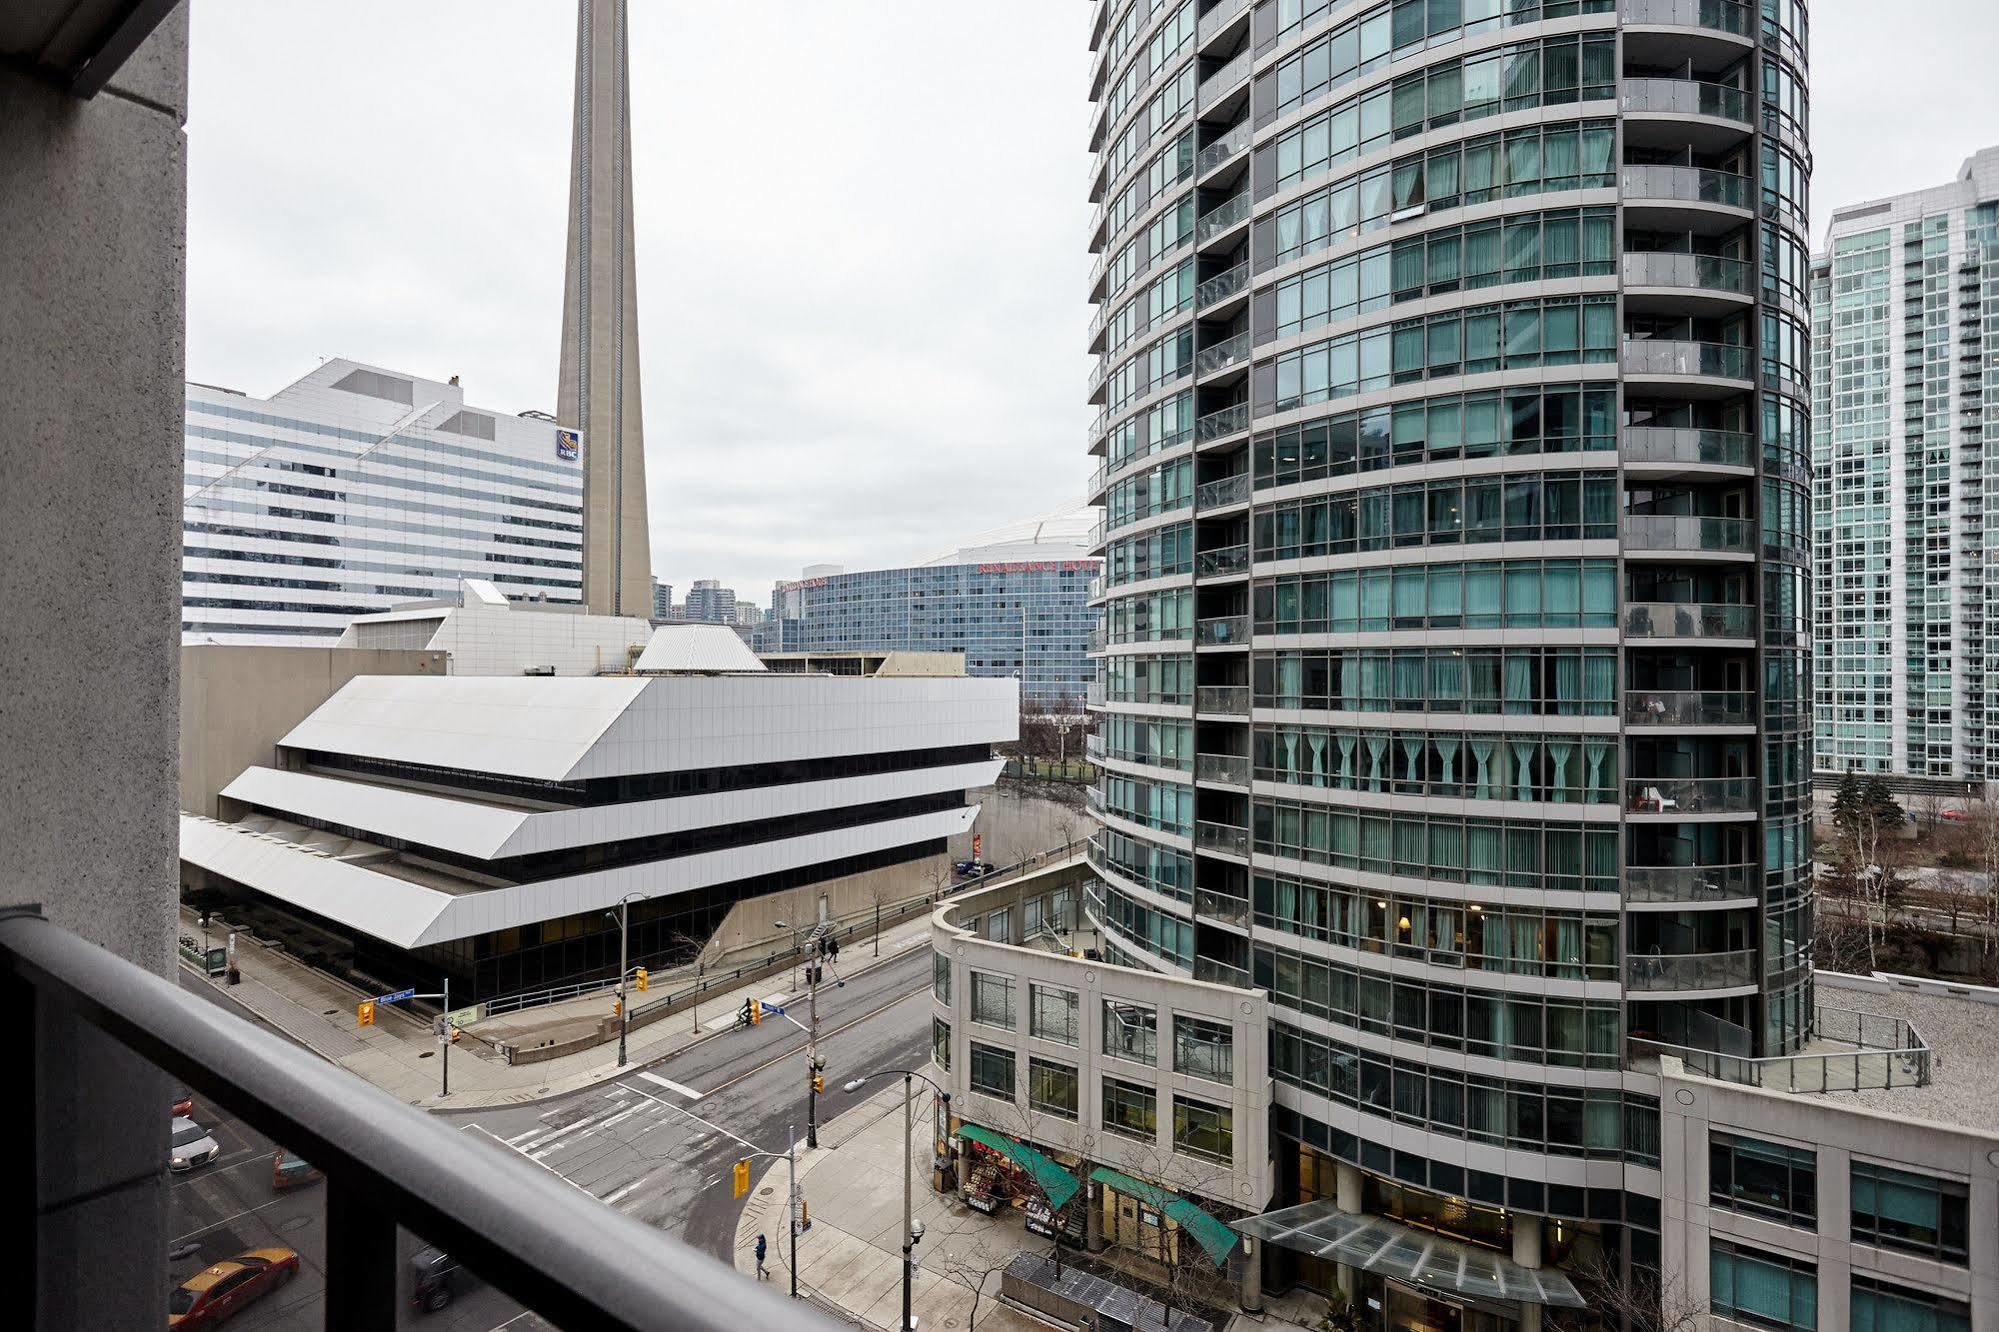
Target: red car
184,1103
220,1292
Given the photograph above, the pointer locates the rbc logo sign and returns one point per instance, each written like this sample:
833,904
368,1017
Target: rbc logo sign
568,445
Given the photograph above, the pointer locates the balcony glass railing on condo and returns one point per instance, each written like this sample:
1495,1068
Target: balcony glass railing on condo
1222,837
1682,532
1689,707
1690,795
1691,884
1681,184
1694,447
1225,700
1654,972
1688,619
1684,97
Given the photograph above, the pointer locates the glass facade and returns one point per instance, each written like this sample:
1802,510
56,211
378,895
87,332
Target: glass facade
355,489
1455,698
996,612
1905,616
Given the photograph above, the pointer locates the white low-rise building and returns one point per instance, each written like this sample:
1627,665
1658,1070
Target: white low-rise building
481,826
486,634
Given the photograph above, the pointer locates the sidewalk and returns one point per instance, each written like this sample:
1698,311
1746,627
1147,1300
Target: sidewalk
400,1055
849,1262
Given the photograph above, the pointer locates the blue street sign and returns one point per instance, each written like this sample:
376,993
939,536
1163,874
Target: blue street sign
773,1008
397,997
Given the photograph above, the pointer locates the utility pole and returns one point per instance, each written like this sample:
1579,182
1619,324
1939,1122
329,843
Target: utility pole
791,1199
444,1037
624,935
812,1045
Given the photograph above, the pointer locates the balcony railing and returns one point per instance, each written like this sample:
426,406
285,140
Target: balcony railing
1220,906
1219,563
1213,21
1224,769
1218,972
1222,631
541,1240
1705,271
1221,423
1886,1052
1679,184
1729,16
1228,352
1222,837
1222,149
1681,532
1656,972
1223,492
1688,619
1690,884
1706,360
1093,745
1689,707
1223,700
1690,795
1220,218
1224,79
1667,444
1685,97
1222,286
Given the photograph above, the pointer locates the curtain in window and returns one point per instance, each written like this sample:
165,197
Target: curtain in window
1562,789
1568,960
1569,683
1374,681
1520,684
1377,767
1481,752
1561,159
1319,774
1483,248
1524,752
1409,672
1447,760
1412,756
1484,848
1599,770
1484,597
1349,683
1447,681
1346,743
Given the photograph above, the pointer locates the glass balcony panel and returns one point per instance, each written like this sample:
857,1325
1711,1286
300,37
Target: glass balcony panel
1222,631
1656,972
1665,356
1689,707
1218,494
1690,795
1665,444
1220,218
1688,619
1691,884
1729,16
1227,700
1222,149
1228,352
1697,271
1222,423
1219,906
1225,769
1685,97
1217,563
1655,531
1222,837
1221,286
1681,184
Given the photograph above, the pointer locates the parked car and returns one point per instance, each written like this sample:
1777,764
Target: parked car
972,869
1955,815
439,1278
183,1103
190,1146
289,1170
224,1290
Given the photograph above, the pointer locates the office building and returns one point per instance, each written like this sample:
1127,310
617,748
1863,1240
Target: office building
480,632
1905,614
1014,601
356,488
1452,436
481,826
598,397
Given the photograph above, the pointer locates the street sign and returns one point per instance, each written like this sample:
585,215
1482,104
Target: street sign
773,1008
397,997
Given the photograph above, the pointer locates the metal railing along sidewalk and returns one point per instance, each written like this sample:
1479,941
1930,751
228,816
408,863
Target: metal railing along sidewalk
540,1240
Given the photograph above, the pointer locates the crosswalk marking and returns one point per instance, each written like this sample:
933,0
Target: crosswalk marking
671,1085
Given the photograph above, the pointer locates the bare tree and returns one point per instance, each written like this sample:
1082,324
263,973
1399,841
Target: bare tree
1926,811
1985,854
1191,1278
1956,897
1635,1298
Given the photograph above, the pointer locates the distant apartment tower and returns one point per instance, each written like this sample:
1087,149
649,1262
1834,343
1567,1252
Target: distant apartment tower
1014,601
1907,599
662,600
357,488
708,602
1452,437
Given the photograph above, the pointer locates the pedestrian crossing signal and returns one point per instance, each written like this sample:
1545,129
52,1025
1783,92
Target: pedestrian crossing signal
742,1179
364,1013
640,978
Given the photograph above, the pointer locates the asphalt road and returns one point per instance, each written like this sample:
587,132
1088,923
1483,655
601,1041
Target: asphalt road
658,1142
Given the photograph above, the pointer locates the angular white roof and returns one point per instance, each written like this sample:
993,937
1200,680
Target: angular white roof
701,648
1063,535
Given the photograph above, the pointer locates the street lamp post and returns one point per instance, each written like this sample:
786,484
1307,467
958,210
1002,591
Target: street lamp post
811,1036
909,1234
624,934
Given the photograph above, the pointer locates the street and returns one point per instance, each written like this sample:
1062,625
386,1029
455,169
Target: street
633,1144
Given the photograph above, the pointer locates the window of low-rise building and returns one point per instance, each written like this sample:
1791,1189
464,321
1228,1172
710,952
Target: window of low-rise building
940,1043
1914,1213
992,1070
1131,1109
1053,1014
940,977
1877,1306
1131,1031
992,1000
1052,1087
1203,1049
1767,1178
1200,1129
1764,1288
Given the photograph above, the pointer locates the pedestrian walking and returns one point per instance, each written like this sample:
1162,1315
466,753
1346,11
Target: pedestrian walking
763,1273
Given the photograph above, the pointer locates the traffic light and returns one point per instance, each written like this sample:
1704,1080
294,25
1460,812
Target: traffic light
454,1033
364,1013
819,1083
639,978
756,1010
617,1008
742,1179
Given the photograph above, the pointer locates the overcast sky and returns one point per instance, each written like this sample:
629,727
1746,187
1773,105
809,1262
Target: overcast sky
860,233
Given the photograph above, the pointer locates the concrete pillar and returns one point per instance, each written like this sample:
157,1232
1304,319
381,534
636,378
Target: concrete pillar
93,209
1093,1217
1347,1188
964,1167
1527,1252
1252,1276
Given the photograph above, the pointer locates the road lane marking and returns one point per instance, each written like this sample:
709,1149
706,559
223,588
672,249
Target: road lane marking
612,1199
518,1137
543,1164
671,1085
823,1037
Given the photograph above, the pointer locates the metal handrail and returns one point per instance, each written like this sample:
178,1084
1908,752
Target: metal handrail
542,1241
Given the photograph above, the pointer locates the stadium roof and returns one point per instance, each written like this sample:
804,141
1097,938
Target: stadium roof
1054,536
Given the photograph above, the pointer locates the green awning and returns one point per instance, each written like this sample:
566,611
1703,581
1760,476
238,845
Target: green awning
1057,1183
1213,1235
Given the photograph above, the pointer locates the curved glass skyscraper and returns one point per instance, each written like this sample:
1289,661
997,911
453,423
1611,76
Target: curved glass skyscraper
1454,391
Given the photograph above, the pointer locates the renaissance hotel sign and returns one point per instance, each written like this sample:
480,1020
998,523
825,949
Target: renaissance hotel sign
1041,566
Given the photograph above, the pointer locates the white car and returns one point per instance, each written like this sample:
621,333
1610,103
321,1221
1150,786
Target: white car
190,1145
